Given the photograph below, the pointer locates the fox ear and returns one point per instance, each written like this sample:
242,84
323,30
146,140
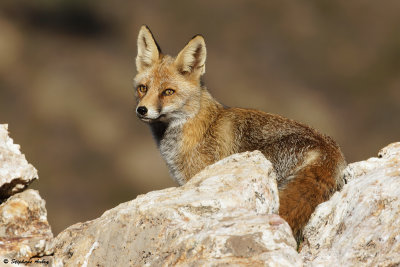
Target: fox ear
192,58
148,49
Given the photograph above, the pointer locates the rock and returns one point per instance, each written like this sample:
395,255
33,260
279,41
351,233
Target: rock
360,225
24,230
15,172
225,215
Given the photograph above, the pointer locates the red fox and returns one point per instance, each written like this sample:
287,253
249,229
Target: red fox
193,130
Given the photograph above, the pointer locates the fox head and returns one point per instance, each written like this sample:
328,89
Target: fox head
168,89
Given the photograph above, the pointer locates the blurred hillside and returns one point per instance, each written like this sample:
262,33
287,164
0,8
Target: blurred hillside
66,70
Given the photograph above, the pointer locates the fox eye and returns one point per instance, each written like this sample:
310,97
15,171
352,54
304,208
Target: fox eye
142,88
168,92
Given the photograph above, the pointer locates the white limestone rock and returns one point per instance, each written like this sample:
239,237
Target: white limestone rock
224,216
360,225
15,172
24,230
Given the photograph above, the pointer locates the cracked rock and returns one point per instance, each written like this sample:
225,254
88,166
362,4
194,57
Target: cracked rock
24,230
360,225
15,172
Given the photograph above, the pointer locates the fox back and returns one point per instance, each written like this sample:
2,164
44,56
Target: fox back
193,130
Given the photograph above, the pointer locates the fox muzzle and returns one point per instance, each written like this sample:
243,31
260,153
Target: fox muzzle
146,114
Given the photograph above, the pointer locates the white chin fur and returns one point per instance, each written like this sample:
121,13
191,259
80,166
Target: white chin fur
152,115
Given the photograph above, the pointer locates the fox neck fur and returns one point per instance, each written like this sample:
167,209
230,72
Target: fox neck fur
181,143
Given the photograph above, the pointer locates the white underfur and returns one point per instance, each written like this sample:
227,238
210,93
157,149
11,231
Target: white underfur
310,157
186,58
170,150
147,51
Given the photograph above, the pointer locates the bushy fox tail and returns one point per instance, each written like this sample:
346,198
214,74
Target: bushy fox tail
310,186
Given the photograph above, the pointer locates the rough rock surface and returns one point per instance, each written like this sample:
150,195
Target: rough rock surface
24,230
15,172
360,225
223,216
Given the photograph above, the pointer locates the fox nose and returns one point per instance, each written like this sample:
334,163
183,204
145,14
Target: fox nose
142,110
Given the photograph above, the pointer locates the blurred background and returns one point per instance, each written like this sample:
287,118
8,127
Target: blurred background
66,71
